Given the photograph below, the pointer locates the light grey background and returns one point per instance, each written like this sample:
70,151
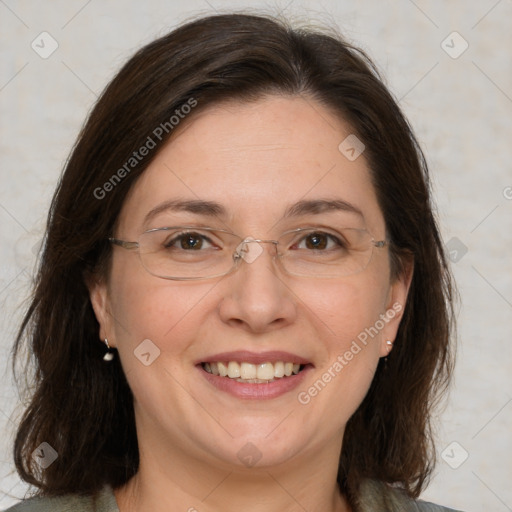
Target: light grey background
461,109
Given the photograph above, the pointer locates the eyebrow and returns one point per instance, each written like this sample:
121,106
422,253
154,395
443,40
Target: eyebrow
214,209
199,207
316,206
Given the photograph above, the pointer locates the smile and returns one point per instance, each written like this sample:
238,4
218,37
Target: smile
253,373
249,375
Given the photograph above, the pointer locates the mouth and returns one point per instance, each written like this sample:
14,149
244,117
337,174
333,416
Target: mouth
251,373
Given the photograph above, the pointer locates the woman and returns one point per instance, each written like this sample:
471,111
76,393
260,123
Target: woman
243,300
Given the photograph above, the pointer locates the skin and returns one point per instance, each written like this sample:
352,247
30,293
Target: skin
255,159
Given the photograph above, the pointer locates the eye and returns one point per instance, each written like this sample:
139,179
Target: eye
319,240
190,241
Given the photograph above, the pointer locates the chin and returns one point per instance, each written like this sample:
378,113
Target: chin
262,448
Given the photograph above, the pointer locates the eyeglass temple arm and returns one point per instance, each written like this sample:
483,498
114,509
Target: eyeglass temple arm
123,243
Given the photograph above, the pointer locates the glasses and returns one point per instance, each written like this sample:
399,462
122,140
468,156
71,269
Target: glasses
186,253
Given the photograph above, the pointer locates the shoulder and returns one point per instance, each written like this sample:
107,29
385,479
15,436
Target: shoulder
423,506
377,496
104,501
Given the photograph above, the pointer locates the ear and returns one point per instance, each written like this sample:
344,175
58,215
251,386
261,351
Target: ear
98,294
395,306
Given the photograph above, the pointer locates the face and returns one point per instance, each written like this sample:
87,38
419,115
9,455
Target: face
255,161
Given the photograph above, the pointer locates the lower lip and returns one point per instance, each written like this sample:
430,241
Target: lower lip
263,391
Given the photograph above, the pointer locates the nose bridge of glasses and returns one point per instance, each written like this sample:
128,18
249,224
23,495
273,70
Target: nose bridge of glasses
249,249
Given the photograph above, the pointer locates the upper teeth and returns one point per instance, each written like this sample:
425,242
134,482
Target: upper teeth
246,371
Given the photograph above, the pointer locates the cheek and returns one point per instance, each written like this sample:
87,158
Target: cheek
157,322
346,314
146,307
346,308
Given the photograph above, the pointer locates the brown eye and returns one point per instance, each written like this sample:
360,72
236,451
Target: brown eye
317,241
191,241
187,242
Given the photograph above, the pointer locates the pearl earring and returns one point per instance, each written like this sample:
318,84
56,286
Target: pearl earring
389,346
109,355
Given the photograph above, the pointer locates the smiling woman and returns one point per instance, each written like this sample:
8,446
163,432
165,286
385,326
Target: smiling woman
269,283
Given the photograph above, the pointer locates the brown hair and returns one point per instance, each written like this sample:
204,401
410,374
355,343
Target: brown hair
83,407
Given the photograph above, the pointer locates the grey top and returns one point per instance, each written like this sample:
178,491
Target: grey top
104,501
375,497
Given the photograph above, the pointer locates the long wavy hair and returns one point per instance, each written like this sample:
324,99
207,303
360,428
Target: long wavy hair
83,407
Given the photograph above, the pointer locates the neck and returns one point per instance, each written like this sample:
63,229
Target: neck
169,479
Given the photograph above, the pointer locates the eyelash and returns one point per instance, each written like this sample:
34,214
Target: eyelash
193,234
333,238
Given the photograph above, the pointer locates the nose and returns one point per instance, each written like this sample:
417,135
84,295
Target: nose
257,298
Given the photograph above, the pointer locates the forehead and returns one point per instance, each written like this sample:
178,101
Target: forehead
256,159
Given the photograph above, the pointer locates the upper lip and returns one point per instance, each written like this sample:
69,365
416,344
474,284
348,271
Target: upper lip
244,356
